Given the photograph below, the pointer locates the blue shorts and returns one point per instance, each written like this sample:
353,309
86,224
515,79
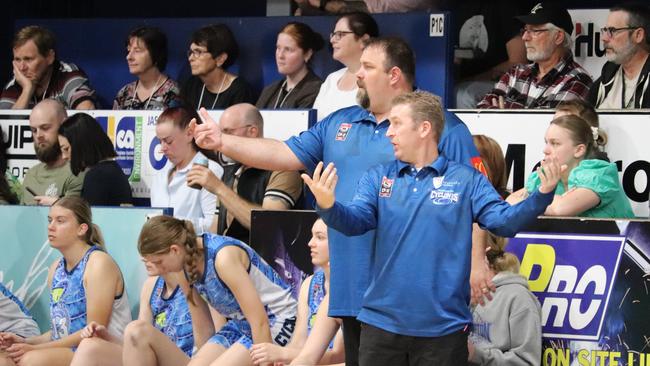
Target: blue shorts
239,331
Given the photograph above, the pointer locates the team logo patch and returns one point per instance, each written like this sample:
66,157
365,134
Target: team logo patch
437,181
161,319
343,131
386,187
56,294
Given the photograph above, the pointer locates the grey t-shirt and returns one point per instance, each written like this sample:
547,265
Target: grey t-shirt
14,317
53,182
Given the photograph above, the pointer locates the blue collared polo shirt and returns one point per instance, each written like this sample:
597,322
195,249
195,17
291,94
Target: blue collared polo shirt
423,220
354,141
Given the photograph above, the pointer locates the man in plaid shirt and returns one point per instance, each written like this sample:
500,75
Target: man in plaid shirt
553,76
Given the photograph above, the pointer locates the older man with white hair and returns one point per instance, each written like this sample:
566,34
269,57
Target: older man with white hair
553,76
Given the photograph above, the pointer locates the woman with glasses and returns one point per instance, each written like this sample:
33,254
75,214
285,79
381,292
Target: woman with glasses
296,44
213,50
146,56
339,90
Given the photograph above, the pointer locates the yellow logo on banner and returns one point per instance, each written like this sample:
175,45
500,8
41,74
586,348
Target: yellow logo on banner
56,294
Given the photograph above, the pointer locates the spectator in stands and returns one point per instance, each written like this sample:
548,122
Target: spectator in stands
7,196
213,50
52,178
146,56
85,286
169,186
400,6
15,319
242,188
489,43
313,290
354,138
553,76
326,7
295,46
339,90
590,187
422,250
624,79
254,304
493,162
163,305
91,151
508,329
38,74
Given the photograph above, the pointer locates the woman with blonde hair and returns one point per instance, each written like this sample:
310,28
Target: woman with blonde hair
507,330
86,286
590,186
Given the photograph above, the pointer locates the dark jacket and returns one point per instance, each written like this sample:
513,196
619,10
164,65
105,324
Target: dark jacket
302,95
603,85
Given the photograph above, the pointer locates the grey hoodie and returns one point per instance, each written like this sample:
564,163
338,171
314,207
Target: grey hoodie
507,330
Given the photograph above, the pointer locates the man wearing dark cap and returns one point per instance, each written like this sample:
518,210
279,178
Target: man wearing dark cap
553,76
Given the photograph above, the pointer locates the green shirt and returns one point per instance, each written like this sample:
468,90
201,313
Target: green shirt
53,182
601,178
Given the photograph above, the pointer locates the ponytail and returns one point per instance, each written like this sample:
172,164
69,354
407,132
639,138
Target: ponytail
499,260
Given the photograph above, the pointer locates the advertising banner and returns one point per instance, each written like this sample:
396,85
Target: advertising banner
134,137
591,279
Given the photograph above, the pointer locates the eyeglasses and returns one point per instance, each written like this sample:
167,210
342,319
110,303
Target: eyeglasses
229,131
339,34
533,32
196,52
611,31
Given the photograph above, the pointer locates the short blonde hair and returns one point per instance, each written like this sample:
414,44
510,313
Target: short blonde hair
424,107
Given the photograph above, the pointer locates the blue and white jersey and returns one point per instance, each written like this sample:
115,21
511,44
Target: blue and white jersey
68,301
172,316
273,292
315,295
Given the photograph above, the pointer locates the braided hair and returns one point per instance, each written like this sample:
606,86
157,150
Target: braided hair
158,235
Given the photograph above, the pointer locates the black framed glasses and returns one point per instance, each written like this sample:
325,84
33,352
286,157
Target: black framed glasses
339,34
533,32
196,52
611,31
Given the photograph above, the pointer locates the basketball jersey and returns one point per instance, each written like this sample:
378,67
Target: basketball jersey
68,301
172,316
315,295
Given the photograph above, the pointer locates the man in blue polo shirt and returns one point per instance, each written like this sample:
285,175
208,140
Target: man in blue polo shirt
354,139
422,205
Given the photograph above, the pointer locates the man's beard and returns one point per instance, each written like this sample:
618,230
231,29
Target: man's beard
622,55
48,154
362,98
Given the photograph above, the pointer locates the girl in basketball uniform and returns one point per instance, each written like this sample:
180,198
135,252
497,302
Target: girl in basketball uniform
86,285
233,279
313,290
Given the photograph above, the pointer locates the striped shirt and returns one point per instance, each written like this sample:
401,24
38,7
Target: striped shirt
520,88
